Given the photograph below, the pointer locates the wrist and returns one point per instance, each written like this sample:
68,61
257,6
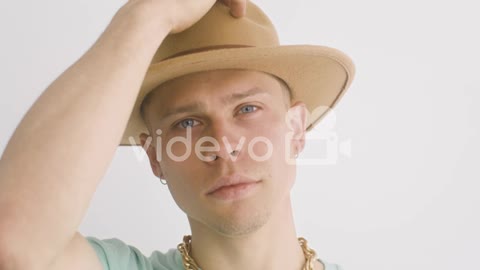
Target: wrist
142,19
147,12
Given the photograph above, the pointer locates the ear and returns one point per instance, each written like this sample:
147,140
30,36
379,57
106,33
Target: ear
147,145
297,117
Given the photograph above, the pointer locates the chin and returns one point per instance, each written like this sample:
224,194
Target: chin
240,220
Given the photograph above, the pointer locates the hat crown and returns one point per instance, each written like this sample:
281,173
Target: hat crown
218,29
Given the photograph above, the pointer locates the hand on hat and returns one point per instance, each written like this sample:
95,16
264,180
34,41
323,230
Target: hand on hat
188,12
179,15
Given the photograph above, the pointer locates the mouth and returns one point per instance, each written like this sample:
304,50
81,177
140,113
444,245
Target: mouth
232,187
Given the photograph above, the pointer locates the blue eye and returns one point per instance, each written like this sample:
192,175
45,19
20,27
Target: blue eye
189,122
186,123
253,108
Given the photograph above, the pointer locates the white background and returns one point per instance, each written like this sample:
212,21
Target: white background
406,198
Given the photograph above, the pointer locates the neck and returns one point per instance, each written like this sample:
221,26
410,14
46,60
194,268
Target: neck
273,246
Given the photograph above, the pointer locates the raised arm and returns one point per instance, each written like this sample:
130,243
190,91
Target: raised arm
63,146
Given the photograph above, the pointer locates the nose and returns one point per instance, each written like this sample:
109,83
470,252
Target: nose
227,140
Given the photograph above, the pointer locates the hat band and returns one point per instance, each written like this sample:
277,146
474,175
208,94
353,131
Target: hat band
207,48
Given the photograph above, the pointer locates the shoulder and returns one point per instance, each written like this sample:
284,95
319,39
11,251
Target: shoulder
115,254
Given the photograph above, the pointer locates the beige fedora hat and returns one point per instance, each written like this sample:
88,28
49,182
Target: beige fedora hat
317,75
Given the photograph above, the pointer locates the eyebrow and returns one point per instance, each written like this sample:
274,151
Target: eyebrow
199,106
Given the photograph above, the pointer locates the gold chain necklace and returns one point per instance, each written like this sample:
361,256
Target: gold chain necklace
185,249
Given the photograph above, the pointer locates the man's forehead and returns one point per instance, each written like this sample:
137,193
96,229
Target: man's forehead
171,108
226,86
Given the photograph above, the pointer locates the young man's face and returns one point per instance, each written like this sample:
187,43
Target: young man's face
256,125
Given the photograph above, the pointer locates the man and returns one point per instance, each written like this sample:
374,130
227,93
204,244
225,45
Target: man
221,84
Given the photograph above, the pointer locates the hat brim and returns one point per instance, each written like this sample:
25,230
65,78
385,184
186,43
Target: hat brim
317,75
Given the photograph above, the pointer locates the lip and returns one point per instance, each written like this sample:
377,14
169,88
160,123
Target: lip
234,192
231,181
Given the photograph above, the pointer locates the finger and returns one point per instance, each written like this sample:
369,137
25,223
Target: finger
238,8
225,2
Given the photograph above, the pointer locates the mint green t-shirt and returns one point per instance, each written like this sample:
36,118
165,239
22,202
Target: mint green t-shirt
114,254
